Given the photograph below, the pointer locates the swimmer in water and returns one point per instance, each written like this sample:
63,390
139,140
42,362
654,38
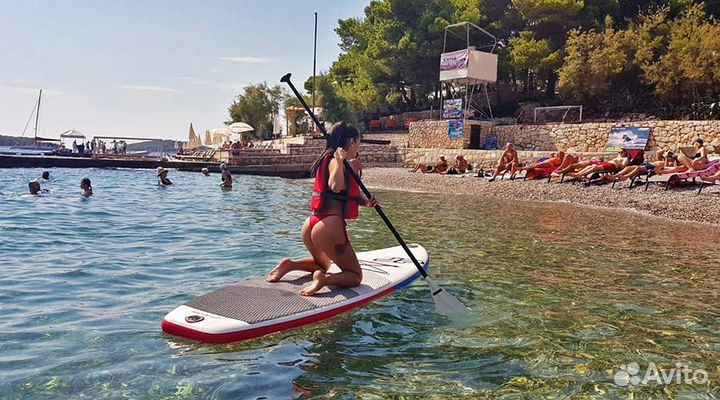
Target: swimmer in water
86,186
34,188
162,177
227,180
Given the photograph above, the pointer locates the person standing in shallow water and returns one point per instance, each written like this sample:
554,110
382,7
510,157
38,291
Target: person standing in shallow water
86,187
162,177
46,175
336,198
227,180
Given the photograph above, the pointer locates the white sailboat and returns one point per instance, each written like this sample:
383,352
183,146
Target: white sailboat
42,145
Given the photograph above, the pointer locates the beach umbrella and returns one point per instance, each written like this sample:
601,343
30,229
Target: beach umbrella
240,127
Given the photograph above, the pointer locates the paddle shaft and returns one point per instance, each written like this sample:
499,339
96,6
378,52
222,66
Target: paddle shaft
367,193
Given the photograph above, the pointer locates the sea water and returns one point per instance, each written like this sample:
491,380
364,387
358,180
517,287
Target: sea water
563,298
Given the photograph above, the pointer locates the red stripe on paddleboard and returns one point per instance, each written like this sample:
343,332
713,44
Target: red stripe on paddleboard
182,331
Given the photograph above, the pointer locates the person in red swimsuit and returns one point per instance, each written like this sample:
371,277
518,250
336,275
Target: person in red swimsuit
336,197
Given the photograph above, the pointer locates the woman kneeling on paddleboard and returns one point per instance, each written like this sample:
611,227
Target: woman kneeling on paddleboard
336,197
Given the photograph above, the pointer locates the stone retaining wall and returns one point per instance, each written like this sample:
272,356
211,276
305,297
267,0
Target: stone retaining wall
398,139
304,152
588,137
429,134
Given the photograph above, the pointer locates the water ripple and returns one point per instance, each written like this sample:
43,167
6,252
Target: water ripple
560,299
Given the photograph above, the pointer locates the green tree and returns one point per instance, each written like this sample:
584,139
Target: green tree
258,105
598,64
533,58
683,65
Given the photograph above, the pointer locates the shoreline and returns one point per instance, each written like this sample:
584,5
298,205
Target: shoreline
679,204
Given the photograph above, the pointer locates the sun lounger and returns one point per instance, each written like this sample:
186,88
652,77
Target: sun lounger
668,179
704,183
637,157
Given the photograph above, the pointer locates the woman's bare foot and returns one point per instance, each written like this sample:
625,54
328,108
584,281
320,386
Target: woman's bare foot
318,283
280,270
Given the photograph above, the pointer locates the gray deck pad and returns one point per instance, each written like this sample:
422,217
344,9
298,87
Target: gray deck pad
257,300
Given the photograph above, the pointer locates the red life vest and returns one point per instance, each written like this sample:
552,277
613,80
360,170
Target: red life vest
321,191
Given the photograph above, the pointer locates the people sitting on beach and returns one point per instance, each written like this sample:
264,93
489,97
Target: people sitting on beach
699,161
440,166
46,175
86,187
205,172
508,161
631,171
34,188
226,177
162,177
616,164
460,166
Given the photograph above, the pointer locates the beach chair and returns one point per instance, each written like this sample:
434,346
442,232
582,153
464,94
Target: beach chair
408,121
703,184
537,173
391,123
637,156
669,179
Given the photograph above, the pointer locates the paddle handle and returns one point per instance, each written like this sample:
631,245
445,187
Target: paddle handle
381,213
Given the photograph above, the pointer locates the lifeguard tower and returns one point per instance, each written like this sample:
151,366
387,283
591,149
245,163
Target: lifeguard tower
468,63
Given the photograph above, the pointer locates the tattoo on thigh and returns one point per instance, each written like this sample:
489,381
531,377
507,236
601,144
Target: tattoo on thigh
340,248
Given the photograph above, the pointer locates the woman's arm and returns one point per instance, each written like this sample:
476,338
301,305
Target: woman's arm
336,178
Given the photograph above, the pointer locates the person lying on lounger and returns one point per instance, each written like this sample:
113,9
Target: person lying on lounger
573,164
508,161
440,166
616,164
712,178
699,160
554,161
632,171
674,166
459,167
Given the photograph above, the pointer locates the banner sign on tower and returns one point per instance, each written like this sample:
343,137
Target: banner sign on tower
454,60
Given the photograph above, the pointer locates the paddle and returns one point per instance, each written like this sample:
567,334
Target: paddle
445,303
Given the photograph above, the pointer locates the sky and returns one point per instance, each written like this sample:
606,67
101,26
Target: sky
150,68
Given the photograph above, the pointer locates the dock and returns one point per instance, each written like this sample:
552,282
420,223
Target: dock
288,160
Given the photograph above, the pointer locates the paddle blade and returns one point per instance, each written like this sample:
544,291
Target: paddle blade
445,303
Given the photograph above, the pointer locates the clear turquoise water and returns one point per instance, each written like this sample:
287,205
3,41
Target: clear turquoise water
561,295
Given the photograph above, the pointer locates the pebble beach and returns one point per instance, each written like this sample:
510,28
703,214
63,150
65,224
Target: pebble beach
680,202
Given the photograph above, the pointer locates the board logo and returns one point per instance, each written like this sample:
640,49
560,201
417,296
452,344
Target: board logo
194,318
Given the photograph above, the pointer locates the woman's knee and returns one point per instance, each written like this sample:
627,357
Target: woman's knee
357,278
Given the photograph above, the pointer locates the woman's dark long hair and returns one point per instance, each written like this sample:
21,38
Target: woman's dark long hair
338,136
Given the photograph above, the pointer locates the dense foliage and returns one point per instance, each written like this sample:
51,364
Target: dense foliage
612,56
257,106
673,62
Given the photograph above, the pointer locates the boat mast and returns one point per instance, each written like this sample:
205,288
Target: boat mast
37,115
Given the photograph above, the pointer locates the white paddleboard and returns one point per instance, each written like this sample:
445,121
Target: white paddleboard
254,307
